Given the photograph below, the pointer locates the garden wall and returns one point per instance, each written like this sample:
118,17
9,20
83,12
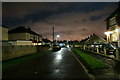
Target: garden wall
10,52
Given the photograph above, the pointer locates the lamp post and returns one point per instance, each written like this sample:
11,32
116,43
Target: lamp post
53,36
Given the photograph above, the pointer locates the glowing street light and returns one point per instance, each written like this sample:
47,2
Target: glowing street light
58,36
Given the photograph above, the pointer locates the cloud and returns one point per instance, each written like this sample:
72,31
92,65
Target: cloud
75,24
22,9
71,23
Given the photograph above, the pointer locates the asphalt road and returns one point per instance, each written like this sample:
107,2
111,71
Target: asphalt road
52,65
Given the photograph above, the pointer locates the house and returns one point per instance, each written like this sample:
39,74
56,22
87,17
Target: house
113,27
92,41
95,39
26,34
4,33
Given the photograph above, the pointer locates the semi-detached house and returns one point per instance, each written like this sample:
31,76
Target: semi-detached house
25,34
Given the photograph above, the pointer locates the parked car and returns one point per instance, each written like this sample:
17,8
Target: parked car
56,47
62,45
109,48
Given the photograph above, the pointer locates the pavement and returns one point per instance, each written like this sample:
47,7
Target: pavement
61,65
112,73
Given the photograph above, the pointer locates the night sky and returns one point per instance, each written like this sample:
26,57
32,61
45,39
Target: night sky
76,20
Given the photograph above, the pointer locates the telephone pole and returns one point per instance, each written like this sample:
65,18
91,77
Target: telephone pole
53,34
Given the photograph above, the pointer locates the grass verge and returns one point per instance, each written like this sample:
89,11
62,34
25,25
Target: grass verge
91,61
19,60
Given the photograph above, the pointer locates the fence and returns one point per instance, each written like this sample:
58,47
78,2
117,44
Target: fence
10,52
102,51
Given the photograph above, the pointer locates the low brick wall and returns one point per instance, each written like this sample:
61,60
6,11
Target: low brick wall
10,52
42,48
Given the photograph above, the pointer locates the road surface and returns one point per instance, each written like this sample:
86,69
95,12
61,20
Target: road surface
61,64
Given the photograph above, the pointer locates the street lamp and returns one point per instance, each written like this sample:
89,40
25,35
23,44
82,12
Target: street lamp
57,37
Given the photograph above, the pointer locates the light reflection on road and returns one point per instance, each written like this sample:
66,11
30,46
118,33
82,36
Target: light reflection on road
58,59
58,56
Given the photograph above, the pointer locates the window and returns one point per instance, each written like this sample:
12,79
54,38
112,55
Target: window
112,21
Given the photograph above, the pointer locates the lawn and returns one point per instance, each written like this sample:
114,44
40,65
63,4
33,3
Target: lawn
91,61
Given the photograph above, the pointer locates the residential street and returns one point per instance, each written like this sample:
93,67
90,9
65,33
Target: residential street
61,65
60,40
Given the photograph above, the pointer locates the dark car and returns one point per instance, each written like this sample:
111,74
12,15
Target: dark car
109,48
56,47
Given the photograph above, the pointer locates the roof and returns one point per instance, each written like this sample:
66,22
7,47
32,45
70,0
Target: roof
94,38
22,29
117,11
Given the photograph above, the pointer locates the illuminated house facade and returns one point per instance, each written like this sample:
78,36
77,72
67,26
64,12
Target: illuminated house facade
25,33
113,27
